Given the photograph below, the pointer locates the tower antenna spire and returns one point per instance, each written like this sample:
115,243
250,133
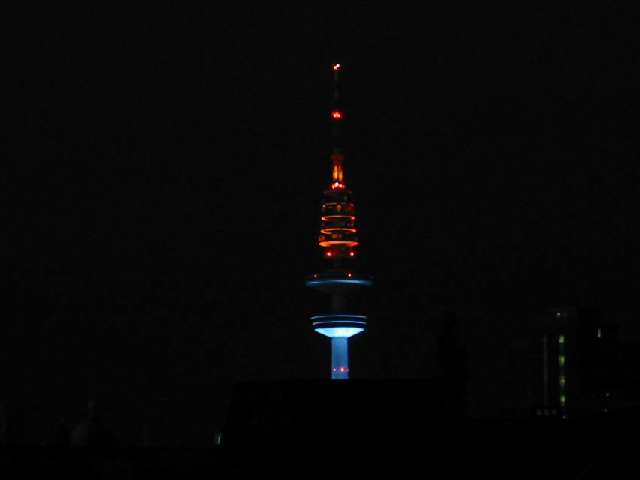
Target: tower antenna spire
336,116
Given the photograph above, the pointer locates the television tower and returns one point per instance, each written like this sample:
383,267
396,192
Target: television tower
338,241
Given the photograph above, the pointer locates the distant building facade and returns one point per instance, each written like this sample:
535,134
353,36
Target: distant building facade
570,362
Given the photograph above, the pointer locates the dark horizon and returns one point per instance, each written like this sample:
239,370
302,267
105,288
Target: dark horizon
166,174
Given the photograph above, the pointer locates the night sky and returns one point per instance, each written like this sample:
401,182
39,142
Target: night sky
165,175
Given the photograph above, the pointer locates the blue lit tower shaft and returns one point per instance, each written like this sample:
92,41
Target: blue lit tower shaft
338,325
339,358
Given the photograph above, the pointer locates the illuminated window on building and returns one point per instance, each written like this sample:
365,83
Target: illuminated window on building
561,360
561,339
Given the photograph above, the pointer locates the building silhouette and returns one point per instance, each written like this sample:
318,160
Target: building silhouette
570,361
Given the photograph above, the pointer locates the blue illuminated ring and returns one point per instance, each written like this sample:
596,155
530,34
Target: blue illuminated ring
339,281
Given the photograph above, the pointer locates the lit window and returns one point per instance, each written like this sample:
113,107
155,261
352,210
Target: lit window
561,339
562,380
563,400
561,360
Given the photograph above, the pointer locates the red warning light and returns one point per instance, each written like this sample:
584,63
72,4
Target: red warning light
336,67
336,115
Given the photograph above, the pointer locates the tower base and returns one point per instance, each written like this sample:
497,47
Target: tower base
339,358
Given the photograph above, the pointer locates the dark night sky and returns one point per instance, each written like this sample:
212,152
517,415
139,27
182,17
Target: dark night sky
167,168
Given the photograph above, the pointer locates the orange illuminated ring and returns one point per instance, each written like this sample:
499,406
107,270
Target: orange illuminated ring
338,229
331,243
327,218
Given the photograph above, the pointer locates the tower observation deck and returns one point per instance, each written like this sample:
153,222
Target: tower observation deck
338,242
